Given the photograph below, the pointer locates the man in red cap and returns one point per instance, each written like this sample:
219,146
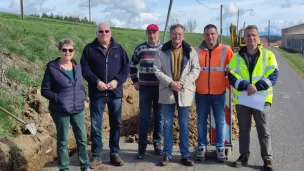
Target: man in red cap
147,84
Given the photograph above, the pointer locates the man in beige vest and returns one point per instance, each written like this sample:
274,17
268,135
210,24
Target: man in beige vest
177,68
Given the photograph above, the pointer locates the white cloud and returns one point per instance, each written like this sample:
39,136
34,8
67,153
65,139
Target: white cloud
287,4
276,26
231,10
29,6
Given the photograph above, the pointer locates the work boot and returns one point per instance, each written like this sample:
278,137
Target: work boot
95,161
187,161
220,155
158,148
201,154
241,161
164,161
268,165
141,152
116,160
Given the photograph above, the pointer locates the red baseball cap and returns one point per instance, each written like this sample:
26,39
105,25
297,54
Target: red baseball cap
152,27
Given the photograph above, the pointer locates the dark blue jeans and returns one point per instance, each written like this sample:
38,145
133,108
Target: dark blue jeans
96,110
183,121
217,103
148,95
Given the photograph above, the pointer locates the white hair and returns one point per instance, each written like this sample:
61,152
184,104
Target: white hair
99,25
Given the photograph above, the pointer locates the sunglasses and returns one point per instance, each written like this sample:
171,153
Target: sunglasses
103,31
65,50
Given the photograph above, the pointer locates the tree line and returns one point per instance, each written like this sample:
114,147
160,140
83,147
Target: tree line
64,18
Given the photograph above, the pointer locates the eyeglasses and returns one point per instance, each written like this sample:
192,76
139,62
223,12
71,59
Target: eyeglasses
103,31
65,50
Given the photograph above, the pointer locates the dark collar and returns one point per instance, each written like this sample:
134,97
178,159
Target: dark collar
186,47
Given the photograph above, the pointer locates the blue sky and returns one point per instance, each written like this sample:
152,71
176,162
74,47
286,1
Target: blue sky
140,13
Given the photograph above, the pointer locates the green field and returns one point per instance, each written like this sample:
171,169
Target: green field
34,42
295,60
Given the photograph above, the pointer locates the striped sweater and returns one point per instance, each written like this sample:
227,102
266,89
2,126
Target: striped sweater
143,56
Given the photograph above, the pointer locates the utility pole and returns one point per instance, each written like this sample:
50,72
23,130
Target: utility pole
221,23
268,32
168,18
237,23
21,9
90,11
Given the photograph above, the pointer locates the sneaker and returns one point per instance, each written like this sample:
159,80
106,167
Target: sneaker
241,161
87,169
201,154
116,160
164,161
268,165
141,152
158,148
95,161
220,155
187,161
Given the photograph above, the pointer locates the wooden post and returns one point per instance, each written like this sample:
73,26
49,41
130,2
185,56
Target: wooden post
21,9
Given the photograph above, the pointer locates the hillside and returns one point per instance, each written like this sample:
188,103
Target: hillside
28,45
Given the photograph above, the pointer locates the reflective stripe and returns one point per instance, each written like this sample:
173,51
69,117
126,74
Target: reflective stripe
212,69
272,67
267,81
256,78
238,64
236,84
264,62
223,55
222,68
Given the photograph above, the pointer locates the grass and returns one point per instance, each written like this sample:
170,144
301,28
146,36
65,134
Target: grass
295,60
35,40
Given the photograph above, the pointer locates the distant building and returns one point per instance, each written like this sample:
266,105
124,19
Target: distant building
293,38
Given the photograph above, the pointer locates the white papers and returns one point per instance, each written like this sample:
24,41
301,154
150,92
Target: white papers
255,101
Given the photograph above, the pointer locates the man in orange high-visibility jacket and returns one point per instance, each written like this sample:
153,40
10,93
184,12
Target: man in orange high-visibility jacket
214,58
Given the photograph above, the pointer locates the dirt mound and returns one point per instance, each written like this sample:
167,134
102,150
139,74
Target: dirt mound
31,152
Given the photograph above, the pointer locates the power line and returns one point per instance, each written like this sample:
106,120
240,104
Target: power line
206,5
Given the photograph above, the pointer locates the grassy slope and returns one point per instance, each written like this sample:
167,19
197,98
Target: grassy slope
35,40
295,60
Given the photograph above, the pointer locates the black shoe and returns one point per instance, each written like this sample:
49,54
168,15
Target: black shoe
241,161
164,161
268,165
116,160
187,161
141,152
158,148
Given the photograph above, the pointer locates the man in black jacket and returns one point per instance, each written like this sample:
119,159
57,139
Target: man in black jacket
105,66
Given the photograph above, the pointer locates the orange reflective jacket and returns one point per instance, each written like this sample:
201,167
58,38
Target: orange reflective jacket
214,64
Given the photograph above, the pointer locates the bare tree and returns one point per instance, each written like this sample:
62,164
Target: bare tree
190,25
174,20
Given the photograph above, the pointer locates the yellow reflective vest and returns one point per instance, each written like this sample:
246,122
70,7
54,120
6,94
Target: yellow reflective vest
266,65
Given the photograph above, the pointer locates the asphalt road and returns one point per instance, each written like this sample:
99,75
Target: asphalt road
287,131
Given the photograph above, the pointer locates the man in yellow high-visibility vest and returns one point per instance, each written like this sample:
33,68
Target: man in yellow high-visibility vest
253,69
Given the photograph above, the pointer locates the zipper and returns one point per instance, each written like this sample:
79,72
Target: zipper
209,72
74,99
107,62
206,60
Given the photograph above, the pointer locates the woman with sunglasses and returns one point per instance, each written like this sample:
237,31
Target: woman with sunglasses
62,85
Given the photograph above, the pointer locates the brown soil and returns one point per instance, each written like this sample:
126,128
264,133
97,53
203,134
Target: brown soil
31,152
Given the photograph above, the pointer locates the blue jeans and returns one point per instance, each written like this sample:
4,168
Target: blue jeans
96,110
217,103
183,118
147,96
